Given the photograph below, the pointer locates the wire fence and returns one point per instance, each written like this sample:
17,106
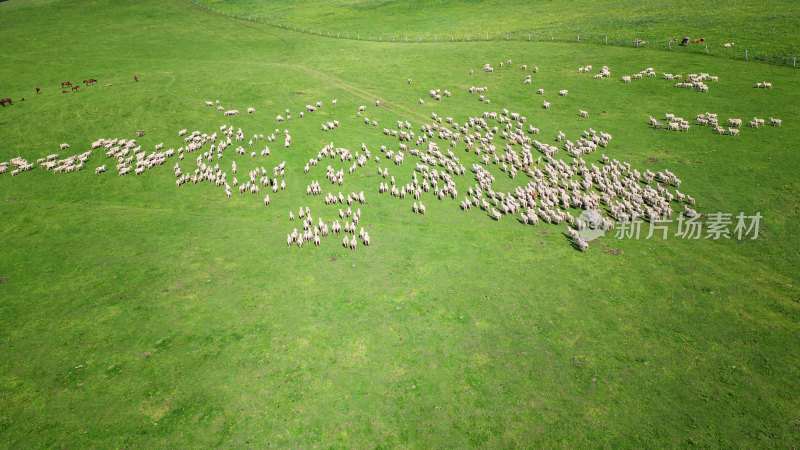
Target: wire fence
717,49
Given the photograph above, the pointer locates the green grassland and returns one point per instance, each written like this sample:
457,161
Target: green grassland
140,314
768,30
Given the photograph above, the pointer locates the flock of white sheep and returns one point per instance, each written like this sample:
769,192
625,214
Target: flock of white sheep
558,180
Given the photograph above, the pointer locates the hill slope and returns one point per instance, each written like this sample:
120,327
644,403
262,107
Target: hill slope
769,31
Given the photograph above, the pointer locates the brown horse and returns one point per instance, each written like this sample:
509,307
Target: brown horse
65,92
65,83
74,88
89,81
697,41
38,90
6,100
136,78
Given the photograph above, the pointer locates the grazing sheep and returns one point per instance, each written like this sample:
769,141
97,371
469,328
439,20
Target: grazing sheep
583,113
545,105
251,110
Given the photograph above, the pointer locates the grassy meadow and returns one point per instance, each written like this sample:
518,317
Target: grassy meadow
770,31
139,314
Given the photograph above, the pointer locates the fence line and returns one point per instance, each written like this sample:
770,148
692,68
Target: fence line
532,36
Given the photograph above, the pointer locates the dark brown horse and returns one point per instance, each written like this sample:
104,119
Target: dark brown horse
136,78
38,90
74,88
89,81
65,83
6,100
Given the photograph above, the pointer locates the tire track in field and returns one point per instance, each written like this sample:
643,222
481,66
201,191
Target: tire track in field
359,92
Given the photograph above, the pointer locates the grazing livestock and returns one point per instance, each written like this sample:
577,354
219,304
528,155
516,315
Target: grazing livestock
38,90
6,100
89,81
65,84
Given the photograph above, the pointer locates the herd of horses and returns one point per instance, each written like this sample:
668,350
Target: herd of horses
64,85
67,84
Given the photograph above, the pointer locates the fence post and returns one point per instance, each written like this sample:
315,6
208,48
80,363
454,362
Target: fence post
636,41
551,37
794,61
487,36
506,36
706,49
420,38
451,38
434,38
669,44
606,39
529,37
745,55
579,38
467,36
